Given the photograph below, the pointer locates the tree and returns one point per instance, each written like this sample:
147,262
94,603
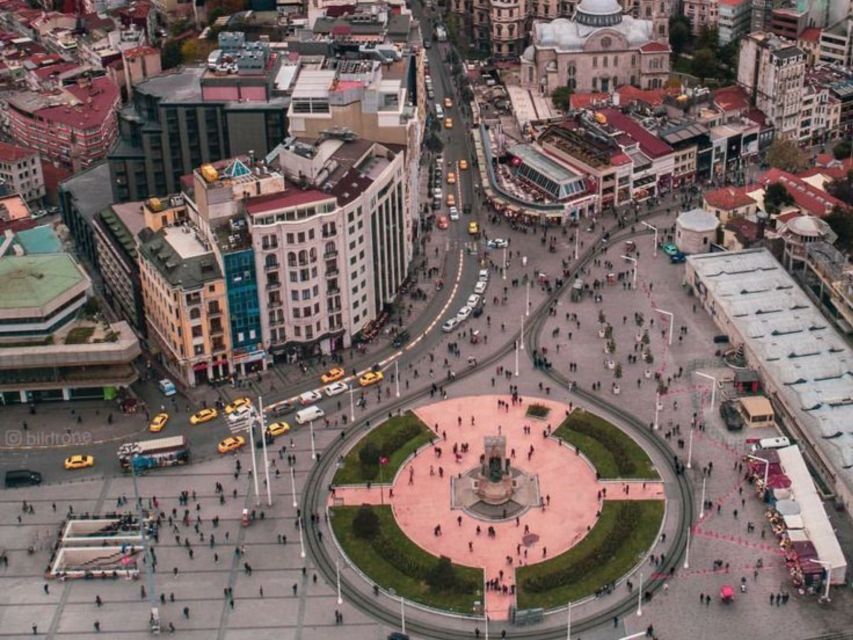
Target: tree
562,98
842,150
776,196
841,222
704,64
171,54
441,576
368,455
434,143
365,525
679,35
709,38
843,189
786,155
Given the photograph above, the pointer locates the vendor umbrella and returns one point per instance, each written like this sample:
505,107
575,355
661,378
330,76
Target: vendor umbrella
778,482
727,592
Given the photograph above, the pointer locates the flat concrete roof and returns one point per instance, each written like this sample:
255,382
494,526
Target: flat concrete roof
34,281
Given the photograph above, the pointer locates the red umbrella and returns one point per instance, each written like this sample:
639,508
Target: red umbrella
727,592
778,482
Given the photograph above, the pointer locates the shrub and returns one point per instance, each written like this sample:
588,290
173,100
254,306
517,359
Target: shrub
612,441
399,438
538,410
368,455
441,576
365,525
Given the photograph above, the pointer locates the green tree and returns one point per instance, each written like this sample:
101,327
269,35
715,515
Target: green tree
365,525
679,35
171,54
841,222
368,455
441,576
777,196
562,98
842,150
843,189
704,64
786,155
709,38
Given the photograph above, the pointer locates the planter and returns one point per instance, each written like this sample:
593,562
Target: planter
537,411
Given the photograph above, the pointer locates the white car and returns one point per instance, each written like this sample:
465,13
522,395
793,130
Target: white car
454,213
437,194
335,388
473,300
449,325
310,397
498,243
240,413
483,275
480,287
463,314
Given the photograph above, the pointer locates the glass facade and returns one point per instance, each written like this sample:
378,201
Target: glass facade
244,310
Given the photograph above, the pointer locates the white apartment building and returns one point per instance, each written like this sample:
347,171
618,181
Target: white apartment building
20,169
733,18
836,43
702,14
772,70
333,248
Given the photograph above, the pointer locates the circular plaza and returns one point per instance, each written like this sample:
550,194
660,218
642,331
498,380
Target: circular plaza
536,502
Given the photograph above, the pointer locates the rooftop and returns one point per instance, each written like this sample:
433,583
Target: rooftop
89,189
35,280
810,34
91,105
807,197
183,85
650,144
728,198
698,220
180,257
39,240
14,153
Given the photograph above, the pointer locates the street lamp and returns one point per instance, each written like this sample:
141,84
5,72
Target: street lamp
657,409
690,447
671,321
338,571
521,335
397,377
313,447
251,426
640,597
766,467
351,405
687,550
713,385
577,239
505,265
636,268
569,622
527,305
655,229
293,485
402,615
301,538
516,357
702,504
264,449
827,566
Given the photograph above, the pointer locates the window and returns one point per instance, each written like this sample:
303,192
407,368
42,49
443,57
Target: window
594,63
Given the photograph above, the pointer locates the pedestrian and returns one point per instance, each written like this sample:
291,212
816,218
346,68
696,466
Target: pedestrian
186,612
46,588
97,626
98,601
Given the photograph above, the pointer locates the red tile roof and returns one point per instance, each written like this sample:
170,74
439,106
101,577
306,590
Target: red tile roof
732,3
586,100
52,70
731,98
654,47
728,198
289,198
140,51
96,104
650,144
652,97
810,34
757,116
745,230
14,153
808,198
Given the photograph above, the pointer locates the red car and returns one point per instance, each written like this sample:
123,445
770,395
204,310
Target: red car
442,222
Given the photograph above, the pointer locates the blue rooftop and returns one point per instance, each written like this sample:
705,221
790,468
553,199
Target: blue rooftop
39,240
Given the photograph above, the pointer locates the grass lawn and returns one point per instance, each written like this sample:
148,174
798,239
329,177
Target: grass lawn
378,567
388,437
646,516
79,335
613,453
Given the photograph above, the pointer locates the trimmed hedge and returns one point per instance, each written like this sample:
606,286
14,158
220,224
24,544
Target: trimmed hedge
613,453
538,410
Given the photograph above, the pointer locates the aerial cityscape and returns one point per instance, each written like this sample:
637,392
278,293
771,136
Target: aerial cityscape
426,319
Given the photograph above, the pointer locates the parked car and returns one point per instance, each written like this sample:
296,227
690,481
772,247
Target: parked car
79,462
677,258
449,325
498,243
731,416
480,287
669,249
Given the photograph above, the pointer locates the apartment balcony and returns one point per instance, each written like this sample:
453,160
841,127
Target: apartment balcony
273,284
273,303
214,312
332,272
272,267
330,254
216,330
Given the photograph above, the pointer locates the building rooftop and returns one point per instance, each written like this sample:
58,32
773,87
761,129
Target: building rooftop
808,363
90,105
39,240
732,98
14,153
89,189
650,144
728,198
183,85
35,280
698,220
180,256
807,197
810,34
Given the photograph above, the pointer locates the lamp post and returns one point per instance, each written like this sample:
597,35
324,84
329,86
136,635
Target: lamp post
505,267
397,376
636,268
521,335
516,358
640,597
766,467
657,409
713,385
569,622
264,449
633,636
301,541
254,460
338,571
577,239
527,303
313,447
702,504
402,615
671,322
687,550
827,566
655,229
351,405
293,486
690,448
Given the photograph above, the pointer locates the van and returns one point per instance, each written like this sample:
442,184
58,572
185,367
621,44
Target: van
439,111
308,414
22,478
167,387
772,443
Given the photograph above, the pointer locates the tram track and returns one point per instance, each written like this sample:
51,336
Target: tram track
314,490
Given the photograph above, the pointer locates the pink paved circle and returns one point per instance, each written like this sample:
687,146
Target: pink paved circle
424,502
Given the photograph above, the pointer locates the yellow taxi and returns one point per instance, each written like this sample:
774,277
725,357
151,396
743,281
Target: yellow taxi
473,228
448,103
79,462
451,200
239,403
277,428
205,415
332,375
448,123
451,177
158,422
231,443
371,377
463,165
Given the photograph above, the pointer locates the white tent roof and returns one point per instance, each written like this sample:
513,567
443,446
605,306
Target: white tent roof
814,518
788,507
794,522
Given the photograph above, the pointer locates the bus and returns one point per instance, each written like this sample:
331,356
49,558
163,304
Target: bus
150,454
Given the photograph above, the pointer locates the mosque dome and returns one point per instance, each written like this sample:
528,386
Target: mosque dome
598,13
